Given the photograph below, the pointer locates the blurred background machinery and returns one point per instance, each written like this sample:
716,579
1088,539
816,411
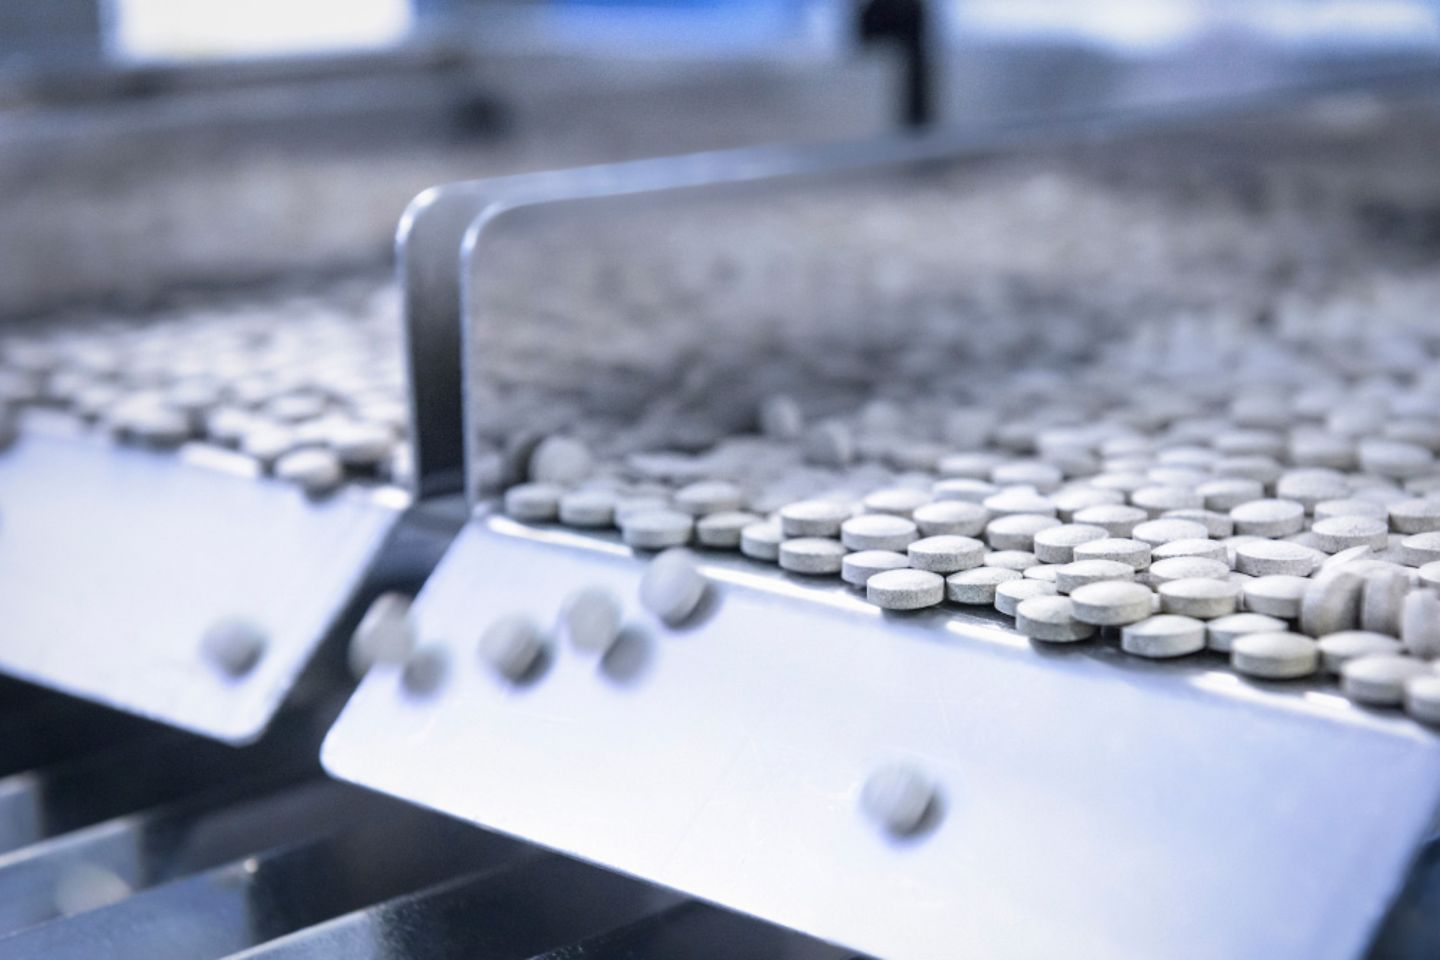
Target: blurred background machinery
247,145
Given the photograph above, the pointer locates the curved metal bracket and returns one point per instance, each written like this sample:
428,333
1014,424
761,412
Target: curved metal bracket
439,232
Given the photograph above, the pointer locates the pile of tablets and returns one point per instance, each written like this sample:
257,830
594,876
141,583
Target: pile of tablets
1269,494
310,386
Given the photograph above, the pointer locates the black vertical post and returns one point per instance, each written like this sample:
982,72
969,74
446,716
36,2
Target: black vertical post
905,25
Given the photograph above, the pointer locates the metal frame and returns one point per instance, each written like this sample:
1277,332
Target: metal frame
114,562
1173,810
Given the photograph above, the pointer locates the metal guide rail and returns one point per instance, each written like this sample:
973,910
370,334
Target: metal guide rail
123,839
193,500
1076,794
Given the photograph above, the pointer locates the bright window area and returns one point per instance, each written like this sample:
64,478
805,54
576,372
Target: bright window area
221,29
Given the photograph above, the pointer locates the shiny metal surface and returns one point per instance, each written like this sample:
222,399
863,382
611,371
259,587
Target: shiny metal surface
114,561
249,853
230,908
152,846
516,911
1152,809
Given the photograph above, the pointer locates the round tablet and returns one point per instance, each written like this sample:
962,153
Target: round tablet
1415,516
1163,636
1220,633
1274,656
974,464
1339,648
1072,501
899,798
781,418
672,586
954,517
384,635
1203,598
1215,524
1048,572
1057,544
1017,531
590,619
588,508
424,670
1112,602
1419,549
1019,501
296,407
1341,533
814,518
1157,532
1429,575
1192,547
705,497
829,444
977,585
1379,679
897,501
1120,476
1382,601
1263,558
1420,624
1391,458
946,554
1011,559
761,541
656,529
1331,603
1051,619
150,422
1348,507
1268,518
723,530
1009,594
1133,553
1264,469
815,556
563,461
1308,487
878,531
1073,575
628,506
533,502
1276,595
315,470
234,645
1422,698
968,489
1229,493
1117,519
361,444
512,646
1042,476
1157,500
1350,555
1187,568
857,568
905,589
